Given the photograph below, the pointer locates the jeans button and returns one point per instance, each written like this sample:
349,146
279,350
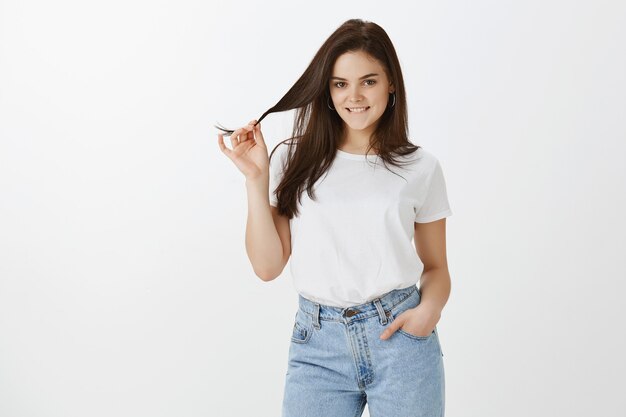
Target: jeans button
351,312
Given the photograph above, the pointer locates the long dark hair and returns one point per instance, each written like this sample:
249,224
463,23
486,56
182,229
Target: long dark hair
318,129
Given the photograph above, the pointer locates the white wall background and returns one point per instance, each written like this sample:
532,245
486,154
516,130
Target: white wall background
125,288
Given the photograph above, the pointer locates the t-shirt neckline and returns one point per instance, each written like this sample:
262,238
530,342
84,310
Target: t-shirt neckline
358,156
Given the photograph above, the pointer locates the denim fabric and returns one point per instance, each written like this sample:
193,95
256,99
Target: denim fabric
337,362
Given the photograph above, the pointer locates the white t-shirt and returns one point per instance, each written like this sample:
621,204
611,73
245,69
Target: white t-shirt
355,243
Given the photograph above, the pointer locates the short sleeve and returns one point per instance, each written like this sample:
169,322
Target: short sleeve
435,204
276,171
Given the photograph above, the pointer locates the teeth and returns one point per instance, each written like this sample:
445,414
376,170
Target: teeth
357,109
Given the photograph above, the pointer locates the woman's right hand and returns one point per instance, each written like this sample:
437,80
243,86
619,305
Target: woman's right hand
249,151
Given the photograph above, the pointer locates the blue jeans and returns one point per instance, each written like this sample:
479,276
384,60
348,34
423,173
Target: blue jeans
338,363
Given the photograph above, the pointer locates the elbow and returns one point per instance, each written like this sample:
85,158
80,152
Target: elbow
270,274
266,276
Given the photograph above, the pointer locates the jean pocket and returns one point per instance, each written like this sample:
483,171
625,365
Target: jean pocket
302,328
412,336
410,302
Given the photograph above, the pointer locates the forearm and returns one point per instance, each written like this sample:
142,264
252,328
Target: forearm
435,288
263,244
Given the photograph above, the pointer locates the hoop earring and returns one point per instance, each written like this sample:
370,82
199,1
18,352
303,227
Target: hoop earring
394,99
328,104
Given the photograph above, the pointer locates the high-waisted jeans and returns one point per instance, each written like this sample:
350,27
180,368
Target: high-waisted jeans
337,362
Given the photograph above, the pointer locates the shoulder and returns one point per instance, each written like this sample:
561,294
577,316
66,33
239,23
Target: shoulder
280,149
280,153
421,158
426,156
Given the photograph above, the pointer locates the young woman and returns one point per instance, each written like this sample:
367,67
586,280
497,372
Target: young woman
363,332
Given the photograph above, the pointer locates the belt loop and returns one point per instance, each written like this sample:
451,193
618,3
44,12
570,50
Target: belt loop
381,311
316,316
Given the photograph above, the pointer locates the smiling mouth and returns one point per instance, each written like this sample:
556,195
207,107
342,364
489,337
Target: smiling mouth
357,109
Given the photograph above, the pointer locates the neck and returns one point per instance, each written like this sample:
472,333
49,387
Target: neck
356,141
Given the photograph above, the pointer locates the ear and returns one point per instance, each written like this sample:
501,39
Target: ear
391,88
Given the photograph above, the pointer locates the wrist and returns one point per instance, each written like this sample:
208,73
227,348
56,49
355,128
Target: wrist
432,309
257,181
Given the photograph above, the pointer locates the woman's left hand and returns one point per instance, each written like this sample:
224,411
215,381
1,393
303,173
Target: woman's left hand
419,321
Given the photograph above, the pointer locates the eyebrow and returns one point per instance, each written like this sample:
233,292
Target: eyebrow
343,79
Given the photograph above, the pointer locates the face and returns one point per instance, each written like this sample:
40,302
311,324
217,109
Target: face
359,89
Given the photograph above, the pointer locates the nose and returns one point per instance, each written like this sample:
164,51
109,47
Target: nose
355,98
355,95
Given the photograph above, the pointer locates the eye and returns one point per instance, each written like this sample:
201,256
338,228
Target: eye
366,81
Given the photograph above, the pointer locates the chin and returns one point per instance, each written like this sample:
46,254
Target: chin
360,127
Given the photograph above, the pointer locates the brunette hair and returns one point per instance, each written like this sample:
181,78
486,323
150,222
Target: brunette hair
318,129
